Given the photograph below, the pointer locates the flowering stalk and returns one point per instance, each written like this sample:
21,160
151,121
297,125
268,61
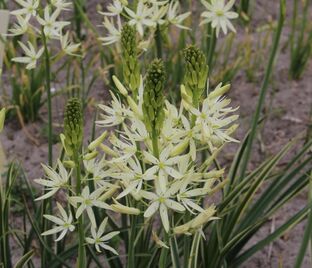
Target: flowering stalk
73,124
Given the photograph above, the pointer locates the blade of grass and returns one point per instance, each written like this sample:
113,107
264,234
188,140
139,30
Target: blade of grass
307,233
263,90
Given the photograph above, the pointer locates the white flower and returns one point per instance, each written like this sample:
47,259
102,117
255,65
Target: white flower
219,15
87,201
114,9
55,180
132,177
114,115
99,240
142,17
29,7
126,148
162,201
163,166
159,14
64,224
21,26
114,33
60,4
31,56
174,18
51,27
212,120
67,46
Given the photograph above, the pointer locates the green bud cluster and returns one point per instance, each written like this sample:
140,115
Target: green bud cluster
196,72
131,67
73,124
153,97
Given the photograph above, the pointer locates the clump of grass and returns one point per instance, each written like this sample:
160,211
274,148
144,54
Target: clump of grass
300,39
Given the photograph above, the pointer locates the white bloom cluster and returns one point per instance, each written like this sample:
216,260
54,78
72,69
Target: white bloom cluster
177,181
146,14
174,181
35,19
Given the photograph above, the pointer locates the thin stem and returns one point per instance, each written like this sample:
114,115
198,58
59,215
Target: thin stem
211,46
81,249
194,251
47,202
164,253
48,90
155,143
158,42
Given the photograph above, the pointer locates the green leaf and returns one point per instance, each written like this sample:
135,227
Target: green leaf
25,259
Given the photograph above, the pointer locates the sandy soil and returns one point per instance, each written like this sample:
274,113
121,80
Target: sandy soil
288,117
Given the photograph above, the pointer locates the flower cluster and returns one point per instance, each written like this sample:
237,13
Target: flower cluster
153,159
41,20
145,16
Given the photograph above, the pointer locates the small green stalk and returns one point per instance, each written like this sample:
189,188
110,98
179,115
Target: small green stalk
193,258
211,46
73,131
155,143
47,202
48,90
164,253
81,248
158,42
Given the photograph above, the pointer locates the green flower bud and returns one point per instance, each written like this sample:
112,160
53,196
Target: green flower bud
73,124
196,72
153,97
131,68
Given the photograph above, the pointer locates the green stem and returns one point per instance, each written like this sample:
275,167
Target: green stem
155,143
81,248
194,251
211,46
264,89
47,202
48,90
164,253
158,42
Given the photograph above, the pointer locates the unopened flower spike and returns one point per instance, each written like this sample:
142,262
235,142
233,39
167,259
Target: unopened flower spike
73,123
131,67
196,73
153,97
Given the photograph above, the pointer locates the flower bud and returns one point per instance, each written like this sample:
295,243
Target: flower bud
117,207
69,164
90,156
67,149
73,124
120,86
180,148
219,91
94,144
108,150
